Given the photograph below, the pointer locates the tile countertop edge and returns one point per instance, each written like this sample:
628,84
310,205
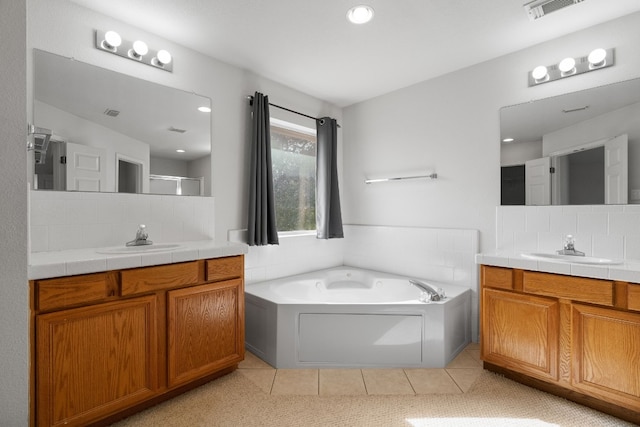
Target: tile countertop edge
45,265
629,271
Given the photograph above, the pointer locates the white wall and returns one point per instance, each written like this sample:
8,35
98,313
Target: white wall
451,125
14,300
225,85
516,153
172,167
201,167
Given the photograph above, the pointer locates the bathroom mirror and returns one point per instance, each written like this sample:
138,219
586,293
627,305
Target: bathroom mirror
557,153
112,132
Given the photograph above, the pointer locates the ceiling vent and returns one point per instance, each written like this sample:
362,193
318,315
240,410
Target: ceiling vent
538,8
111,113
178,130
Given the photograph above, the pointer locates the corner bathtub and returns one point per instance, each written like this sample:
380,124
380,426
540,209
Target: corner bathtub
348,317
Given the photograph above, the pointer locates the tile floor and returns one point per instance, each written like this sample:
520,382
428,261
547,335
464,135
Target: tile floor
455,378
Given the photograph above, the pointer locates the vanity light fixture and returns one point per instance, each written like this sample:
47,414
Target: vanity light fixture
360,14
162,59
596,60
139,49
567,66
110,41
540,74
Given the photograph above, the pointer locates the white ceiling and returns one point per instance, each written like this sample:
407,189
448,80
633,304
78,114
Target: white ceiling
311,47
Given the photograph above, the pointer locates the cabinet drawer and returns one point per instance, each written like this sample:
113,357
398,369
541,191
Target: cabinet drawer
51,294
592,291
633,297
224,268
151,279
497,277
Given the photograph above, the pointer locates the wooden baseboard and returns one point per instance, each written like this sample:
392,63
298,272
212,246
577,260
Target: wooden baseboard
574,396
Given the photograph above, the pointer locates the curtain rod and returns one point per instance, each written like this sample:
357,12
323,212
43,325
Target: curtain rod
250,98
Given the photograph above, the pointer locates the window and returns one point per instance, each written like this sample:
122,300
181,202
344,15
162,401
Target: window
293,157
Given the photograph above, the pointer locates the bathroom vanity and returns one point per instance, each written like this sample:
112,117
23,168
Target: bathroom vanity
111,343
575,337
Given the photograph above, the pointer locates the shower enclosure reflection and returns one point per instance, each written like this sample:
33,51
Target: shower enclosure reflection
116,133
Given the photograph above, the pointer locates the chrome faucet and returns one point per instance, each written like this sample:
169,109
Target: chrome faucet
569,247
142,237
432,293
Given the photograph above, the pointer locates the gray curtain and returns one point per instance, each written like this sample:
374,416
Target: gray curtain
262,214
328,215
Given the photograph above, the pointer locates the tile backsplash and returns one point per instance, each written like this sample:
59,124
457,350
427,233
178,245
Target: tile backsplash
602,231
68,220
438,254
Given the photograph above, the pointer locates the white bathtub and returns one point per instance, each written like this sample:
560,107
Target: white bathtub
348,317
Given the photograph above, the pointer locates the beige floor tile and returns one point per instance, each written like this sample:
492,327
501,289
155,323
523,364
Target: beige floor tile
341,382
296,382
465,377
263,378
251,361
473,352
386,381
473,346
432,381
464,360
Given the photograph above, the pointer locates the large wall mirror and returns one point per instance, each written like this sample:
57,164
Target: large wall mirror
573,149
111,132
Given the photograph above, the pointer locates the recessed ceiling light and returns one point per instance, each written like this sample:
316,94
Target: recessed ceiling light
180,151
507,140
360,14
204,109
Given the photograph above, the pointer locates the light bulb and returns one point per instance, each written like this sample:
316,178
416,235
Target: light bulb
567,65
360,14
508,140
140,48
204,109
163,57
112,40
597,57
539,73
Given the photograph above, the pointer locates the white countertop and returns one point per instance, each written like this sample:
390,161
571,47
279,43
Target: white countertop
628,271
43,265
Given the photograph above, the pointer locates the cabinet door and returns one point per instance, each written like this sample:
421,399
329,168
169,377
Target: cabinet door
206,329
606,354
521,332
94,361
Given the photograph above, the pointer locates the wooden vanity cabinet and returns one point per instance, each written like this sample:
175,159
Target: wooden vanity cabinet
575,337
520,332
205,329
106,345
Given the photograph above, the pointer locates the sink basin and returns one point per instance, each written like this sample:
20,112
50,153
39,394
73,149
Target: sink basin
145,249
571,259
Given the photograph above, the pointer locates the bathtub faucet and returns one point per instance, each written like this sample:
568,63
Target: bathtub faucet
434,294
